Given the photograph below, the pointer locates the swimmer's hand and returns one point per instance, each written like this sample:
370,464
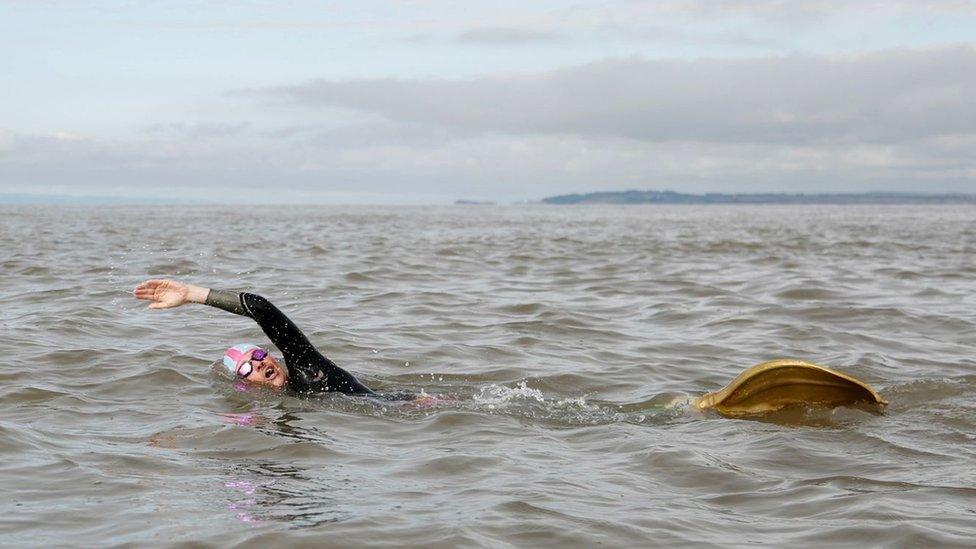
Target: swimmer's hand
166,294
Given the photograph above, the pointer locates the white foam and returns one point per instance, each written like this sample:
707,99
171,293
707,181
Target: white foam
498,396
494,395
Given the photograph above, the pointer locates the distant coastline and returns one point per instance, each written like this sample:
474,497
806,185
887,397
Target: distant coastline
671,197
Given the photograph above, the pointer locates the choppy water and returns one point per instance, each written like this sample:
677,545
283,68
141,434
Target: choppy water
563,331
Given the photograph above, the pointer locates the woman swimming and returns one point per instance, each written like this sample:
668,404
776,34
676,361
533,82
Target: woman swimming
763,388
306,370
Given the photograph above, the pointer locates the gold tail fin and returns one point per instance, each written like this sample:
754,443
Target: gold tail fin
780,383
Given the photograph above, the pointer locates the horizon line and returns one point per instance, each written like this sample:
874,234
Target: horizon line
7,199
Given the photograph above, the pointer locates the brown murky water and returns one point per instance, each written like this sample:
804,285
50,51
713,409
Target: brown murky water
564,332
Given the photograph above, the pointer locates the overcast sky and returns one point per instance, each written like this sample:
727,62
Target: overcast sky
431,101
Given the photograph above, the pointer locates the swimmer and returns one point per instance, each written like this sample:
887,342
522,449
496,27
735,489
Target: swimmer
306,370
758,390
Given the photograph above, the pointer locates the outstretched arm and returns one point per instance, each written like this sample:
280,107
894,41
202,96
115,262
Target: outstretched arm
308,369
166,294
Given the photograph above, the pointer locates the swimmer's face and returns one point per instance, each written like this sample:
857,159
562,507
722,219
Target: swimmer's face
268,372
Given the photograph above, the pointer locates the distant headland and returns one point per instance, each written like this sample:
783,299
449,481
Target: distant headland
671,197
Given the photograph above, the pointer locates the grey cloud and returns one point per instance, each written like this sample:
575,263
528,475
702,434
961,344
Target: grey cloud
894,120
202,130
756,22
497,167
792,8
778,10
883,97
502,36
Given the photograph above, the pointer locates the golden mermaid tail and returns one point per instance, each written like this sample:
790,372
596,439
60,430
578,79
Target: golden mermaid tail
776,384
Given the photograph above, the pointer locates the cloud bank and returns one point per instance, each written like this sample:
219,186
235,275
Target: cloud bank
890,120
886,97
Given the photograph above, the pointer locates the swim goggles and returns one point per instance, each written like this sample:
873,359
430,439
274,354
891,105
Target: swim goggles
246,368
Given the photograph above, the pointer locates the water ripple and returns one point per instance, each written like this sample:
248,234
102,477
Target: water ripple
566,342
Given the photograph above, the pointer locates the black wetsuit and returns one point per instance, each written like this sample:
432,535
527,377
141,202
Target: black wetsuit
309,371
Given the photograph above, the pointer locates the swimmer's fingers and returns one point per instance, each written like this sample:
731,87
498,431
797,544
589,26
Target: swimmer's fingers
142,291
164,293
147,290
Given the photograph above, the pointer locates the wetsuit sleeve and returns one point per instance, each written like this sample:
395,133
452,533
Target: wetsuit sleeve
228,301
308,369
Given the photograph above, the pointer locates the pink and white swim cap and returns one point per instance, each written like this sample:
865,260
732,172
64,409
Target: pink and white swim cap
237,355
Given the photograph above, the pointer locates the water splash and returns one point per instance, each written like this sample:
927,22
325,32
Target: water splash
494,396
